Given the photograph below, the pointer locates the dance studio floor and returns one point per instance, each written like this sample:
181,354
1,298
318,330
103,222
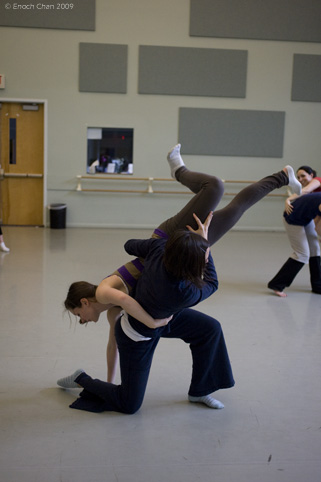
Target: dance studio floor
270,428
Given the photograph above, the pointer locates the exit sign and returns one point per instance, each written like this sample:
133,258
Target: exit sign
2,81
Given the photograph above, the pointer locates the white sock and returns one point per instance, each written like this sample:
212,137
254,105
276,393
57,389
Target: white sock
207,400
69,382
175,159
294,184
4,248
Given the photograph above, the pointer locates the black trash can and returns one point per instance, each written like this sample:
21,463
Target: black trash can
57,214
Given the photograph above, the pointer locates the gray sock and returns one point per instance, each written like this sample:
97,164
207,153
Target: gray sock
207,400
69,382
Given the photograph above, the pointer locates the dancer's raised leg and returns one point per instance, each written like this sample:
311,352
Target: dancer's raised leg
224,219
208,193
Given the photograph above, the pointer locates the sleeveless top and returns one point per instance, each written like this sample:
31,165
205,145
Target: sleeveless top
131,271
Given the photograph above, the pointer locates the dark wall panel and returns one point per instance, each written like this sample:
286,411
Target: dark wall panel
75,15
103,68
290,20
192,71
231,132
306,80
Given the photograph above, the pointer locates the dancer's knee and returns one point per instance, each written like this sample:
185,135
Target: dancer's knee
131,400
130,409
302,257
216,184
216,328
211,328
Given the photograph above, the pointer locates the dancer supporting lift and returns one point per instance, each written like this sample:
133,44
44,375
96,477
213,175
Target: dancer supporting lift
302,236
304,216
211,367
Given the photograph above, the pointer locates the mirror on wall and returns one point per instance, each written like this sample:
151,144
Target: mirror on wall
110,150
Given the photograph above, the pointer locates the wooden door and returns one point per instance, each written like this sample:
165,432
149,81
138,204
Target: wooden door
22,163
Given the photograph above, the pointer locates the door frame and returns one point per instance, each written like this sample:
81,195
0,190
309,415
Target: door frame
45,142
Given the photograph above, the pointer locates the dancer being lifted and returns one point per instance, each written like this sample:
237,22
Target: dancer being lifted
178,283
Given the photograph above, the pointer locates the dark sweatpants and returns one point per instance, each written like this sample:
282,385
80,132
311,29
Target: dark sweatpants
211,369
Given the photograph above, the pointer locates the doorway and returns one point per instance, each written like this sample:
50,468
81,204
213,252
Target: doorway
22,163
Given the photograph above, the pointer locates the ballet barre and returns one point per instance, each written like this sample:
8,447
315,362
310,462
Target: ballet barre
150,181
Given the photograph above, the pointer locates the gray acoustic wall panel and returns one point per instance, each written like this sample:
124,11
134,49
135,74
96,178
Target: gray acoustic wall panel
289,20
103,68
231,132
75,15
306,80
192,71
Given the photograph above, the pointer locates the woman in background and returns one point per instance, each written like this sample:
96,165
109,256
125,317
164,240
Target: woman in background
3,247
302,236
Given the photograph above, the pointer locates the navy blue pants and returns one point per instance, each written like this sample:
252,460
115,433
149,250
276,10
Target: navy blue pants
211,369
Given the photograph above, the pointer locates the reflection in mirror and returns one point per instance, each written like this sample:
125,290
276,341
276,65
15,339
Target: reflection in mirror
110,150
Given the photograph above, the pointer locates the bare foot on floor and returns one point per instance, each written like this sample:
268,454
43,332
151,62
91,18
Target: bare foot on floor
280,293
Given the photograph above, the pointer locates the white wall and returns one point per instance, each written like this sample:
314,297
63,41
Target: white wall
43,64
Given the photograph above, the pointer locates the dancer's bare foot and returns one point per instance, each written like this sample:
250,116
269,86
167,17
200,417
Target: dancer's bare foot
280,293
